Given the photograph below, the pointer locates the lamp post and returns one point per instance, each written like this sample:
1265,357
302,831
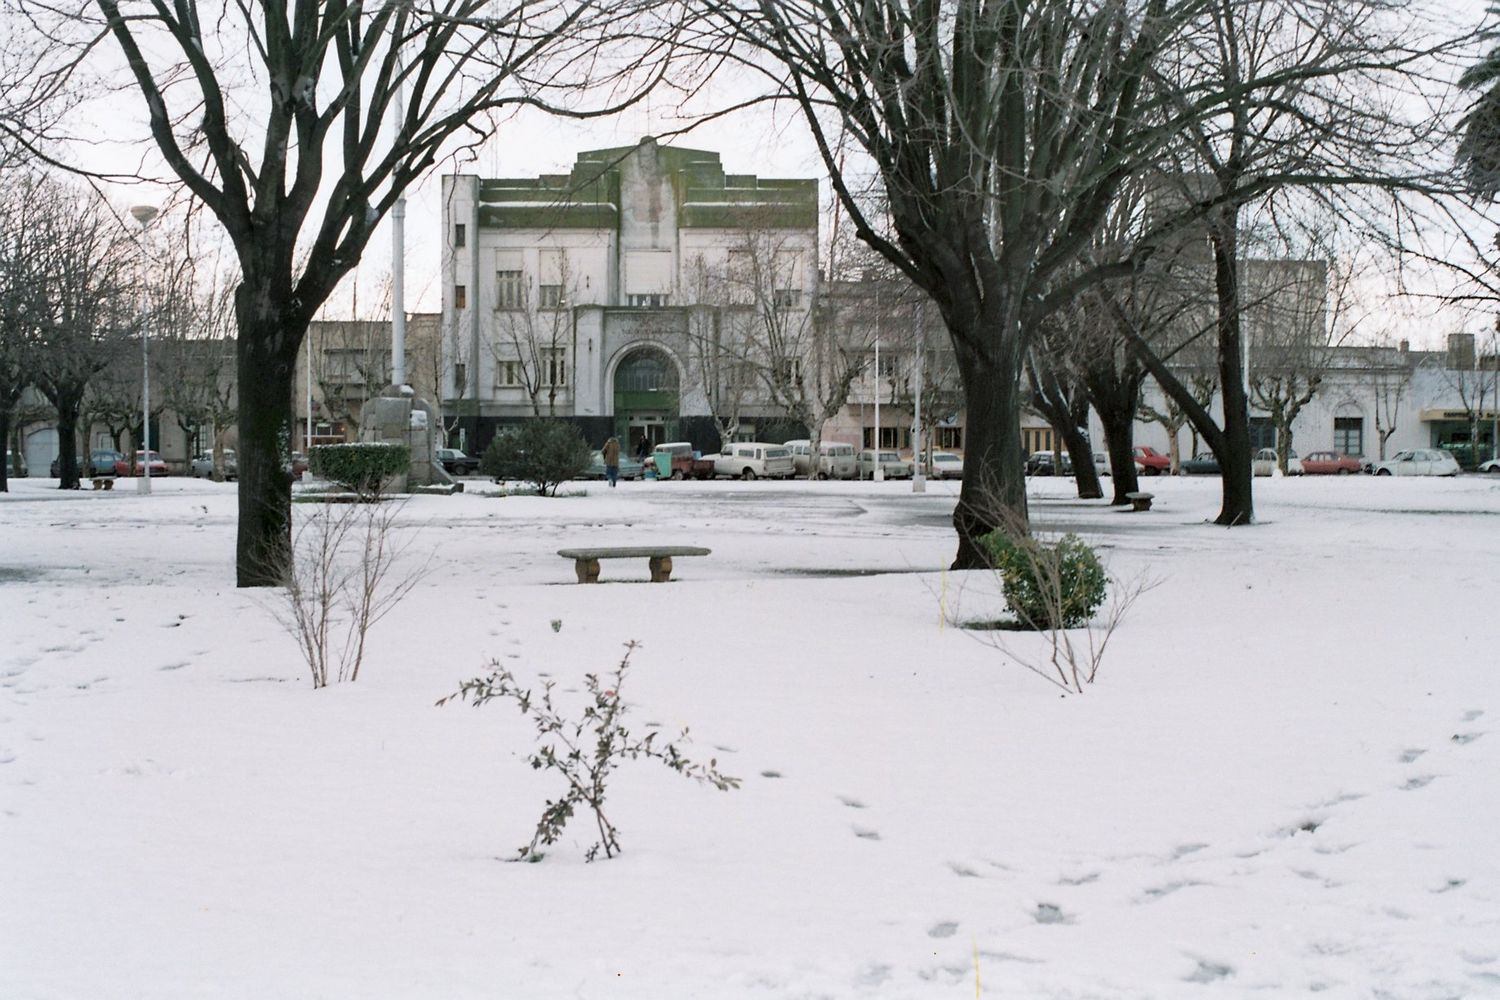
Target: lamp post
145,214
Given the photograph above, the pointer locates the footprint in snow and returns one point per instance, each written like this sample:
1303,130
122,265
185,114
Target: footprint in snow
1473,714
1208,972
1050,913
1420,781
943,929
851,803
1409,756
963,871
866,834
1464,738
770,774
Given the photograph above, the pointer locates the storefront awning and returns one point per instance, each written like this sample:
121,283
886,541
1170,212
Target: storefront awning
1484,416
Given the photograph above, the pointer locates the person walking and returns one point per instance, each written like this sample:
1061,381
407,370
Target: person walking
611,453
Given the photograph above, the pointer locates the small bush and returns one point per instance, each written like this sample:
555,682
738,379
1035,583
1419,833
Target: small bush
362,468
585,751
543,451
1048,587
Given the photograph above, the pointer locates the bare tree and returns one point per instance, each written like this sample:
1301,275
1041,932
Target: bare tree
1474,377
998,133
1060,394
195,359
1295,314
531,349
86,286
21,309
299,126
1304,99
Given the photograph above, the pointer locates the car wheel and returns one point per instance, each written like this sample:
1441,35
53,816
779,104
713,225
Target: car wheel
677,475
748,474
822,476
1382,472
1493,470
1343,472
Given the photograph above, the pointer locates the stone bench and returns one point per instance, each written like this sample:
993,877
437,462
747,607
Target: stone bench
659,557
1139,501
103,482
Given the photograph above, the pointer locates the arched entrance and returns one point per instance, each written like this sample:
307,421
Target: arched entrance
647,392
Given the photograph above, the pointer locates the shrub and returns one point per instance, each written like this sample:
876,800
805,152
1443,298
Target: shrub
362,468
542,451
585,751
1048,587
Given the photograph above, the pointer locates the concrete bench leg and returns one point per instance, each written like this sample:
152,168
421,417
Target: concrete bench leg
1141,504
661,569
587,570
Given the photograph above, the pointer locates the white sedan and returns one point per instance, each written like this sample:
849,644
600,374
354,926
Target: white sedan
947,465
1492,467
1265,463
1418,462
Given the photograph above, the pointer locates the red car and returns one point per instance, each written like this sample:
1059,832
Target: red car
1151,461
158,467
1330,463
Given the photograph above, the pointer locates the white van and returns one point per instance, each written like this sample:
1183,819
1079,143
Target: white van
754,460
836,461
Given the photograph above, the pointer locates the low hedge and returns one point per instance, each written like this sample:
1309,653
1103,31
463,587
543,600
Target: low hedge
360,467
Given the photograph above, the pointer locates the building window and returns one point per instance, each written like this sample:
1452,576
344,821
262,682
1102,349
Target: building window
460,376
1349,435
790,370
460,235
787,298
460,297
1262,433
555,367
508,285
890,437
549,296
950,438
508,374
654,300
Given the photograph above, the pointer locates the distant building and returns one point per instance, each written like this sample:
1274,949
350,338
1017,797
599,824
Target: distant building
595,295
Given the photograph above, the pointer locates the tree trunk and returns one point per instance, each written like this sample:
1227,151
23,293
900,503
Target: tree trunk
1238,504
1081,451
4,445
1115,395
1119,441
67,400
266,361
994,485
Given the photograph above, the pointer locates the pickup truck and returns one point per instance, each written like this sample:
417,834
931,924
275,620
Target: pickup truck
677,460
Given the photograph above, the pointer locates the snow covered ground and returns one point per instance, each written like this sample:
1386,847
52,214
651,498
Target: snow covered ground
1284,783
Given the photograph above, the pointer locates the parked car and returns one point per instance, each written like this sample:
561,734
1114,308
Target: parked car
1491,467
892,465
1042,463
680,460
1205,463
835,458
630,468
1151,462
945,465
102,460
754,460
1330,463
456,462
1264,463
1101,463
1418,462
138,465
15,465
202,466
